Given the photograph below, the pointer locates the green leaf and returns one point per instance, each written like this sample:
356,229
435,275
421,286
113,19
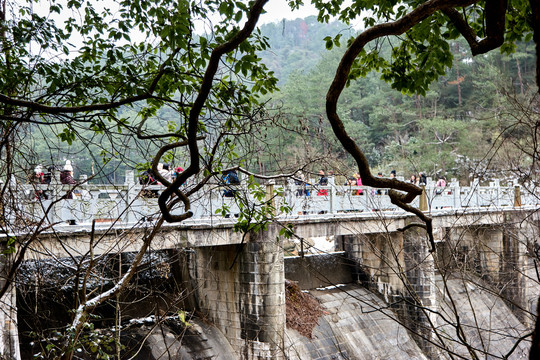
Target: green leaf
329,44
10,246
67,135
182,318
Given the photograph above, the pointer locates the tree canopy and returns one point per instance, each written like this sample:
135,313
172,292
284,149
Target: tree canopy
106,68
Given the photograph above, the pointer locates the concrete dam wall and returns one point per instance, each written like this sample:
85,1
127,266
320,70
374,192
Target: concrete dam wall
375,290
355,322
359,324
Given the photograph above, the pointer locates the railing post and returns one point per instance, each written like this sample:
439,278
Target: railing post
454,185
56,191
289,194
368,193
131,194
423,206
270,195
332,194
497,185
517,196
475,187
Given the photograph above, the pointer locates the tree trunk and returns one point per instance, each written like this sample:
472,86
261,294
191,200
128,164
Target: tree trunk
535,347
519,76
458,83
419,106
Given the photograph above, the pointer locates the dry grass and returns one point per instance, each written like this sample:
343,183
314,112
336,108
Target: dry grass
303,310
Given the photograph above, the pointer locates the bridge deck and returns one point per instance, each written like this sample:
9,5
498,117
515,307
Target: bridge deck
131,203
76,240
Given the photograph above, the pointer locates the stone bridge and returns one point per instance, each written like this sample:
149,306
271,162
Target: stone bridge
132,203
238,280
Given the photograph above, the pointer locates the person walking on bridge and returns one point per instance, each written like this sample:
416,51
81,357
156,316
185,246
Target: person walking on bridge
358,183
323,181
66,177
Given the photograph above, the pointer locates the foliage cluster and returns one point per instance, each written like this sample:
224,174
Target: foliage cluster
444,132
447,131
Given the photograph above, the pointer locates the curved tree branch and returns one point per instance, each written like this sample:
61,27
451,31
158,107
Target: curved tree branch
397,27
193,121
172,187
495,12
428,223
141,136
535,21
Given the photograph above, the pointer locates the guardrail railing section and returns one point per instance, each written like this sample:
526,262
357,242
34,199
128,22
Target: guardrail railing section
131,202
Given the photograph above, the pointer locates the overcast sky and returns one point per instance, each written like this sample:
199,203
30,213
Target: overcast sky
278,9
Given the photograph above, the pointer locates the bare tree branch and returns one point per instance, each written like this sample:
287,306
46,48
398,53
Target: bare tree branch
397,27
198,105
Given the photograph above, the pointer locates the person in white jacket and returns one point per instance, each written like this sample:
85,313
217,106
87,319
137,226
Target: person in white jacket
165,172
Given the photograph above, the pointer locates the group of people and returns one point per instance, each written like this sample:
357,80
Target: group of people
305,190
66,177
148,177
168,172
421,179
356,180
229,178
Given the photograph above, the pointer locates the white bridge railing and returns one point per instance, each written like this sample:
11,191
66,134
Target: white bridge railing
130,202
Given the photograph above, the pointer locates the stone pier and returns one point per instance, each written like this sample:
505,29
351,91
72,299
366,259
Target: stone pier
499,254
241,289
9,337
400,268
420,294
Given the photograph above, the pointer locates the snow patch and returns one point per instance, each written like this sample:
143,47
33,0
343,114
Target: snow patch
322,244
330,287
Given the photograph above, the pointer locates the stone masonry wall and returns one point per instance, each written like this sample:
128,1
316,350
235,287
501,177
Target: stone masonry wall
400,268
497,255
242,290
9,338
420,293
376,258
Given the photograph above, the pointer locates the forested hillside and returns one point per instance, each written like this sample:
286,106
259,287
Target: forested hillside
465,122
467,119
298,45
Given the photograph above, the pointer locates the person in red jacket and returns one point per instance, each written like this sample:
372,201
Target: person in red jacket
323,181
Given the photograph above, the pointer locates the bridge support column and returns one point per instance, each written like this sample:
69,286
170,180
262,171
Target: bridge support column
498,255
9,336
420,294
241,288
530,233
513,276
400,267
376,258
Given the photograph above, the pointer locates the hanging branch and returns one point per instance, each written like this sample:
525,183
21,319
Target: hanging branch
408,191
194,114
495,12
535,21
